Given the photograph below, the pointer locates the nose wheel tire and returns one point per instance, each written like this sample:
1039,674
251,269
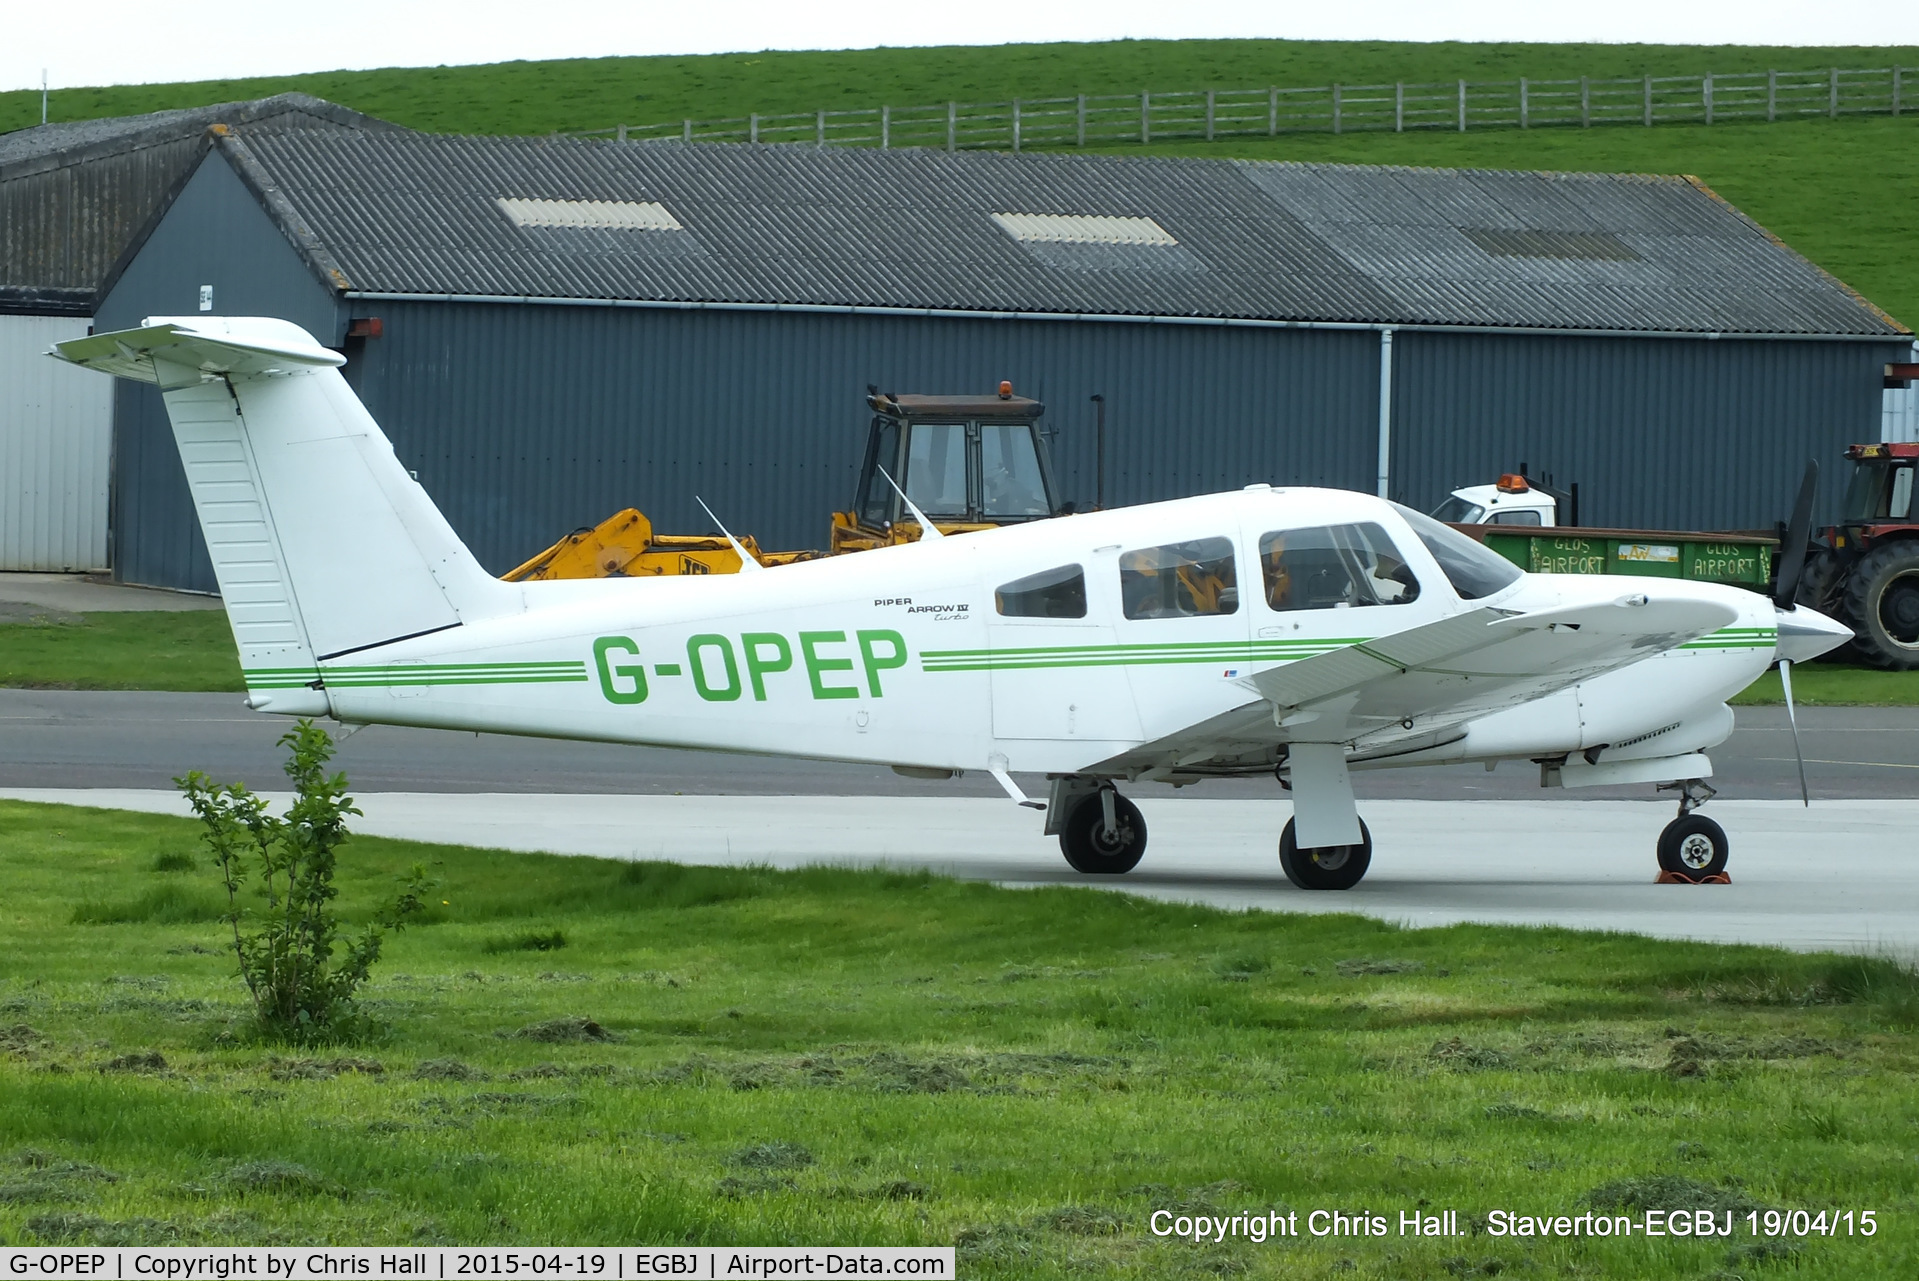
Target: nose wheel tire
1693,846
1330,867
1091,848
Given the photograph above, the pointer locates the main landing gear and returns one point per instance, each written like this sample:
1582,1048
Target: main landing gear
1104,834
1329,867
1692,846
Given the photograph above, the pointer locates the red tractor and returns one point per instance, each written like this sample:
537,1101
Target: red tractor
1864,571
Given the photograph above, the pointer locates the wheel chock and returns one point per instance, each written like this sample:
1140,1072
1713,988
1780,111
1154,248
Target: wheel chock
1680,878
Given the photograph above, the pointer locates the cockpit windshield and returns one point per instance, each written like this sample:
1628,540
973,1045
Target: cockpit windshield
1473,571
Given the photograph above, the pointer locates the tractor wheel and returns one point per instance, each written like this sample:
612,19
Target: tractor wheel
1882,605
1821,584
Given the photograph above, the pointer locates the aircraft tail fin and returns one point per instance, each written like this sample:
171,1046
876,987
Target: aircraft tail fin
322,543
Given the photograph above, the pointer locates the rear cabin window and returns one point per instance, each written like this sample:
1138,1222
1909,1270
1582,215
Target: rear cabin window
1179,580
1334,567
1516,518
1051,593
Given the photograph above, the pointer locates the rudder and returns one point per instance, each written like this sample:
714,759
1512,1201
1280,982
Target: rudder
321,542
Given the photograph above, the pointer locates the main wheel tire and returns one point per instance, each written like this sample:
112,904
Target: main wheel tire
1087,846
1882,605
1330,867
1693,846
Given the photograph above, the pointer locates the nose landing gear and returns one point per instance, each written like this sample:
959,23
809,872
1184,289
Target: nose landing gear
1692,846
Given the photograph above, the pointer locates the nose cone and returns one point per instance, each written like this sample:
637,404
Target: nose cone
1805,633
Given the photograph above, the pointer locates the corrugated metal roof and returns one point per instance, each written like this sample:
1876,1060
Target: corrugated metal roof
73,195
122,133
419,214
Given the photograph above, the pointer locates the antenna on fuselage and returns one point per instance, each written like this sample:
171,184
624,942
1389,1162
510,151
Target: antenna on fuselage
928,530
747,560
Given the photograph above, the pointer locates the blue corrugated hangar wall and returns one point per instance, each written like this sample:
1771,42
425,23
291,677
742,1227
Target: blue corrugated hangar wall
527,420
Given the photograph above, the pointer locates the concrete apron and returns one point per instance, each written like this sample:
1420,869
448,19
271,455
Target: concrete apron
1837,876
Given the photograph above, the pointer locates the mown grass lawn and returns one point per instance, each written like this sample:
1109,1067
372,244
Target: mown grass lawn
1830,685
160,649
578,1051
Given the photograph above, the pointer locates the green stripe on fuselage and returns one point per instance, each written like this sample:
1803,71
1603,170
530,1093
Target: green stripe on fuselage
413,674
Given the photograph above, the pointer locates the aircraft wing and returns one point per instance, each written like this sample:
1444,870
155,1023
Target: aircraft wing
1485,659
1438,676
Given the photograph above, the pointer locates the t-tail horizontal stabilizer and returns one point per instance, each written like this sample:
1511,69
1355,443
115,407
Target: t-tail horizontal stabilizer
321,542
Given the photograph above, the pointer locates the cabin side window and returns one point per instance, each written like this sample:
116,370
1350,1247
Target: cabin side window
1334,567
1051,593
1179,580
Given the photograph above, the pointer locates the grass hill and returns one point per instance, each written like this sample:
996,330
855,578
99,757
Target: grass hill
1834,190
591,93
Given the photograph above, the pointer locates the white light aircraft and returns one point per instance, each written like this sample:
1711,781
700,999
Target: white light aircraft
1302,633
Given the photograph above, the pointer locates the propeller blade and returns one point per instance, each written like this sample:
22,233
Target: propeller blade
1785,683
1792,553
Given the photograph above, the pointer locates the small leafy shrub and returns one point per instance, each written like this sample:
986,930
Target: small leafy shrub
287,947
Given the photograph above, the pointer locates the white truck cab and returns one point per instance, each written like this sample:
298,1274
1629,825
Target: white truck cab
1512,501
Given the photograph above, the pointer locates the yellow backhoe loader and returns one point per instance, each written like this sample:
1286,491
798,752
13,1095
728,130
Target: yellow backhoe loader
968,462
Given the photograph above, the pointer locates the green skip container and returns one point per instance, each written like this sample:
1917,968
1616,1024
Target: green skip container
1741,559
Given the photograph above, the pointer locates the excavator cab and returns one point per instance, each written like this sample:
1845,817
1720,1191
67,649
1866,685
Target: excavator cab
968,462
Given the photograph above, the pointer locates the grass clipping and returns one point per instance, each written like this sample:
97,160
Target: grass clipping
287,947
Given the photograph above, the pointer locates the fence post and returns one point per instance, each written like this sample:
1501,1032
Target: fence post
1209,115
1335,108
1585,103
1705,94
1082,120
1772,96
1832,101
886,128
1272,111
819,126
1895,91
1462,106
1016,126
1399,107
753,127
1895,95
952,126
1145,116
1648,102
1524,113
686,134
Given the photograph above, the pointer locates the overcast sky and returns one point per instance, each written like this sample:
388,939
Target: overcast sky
90,46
